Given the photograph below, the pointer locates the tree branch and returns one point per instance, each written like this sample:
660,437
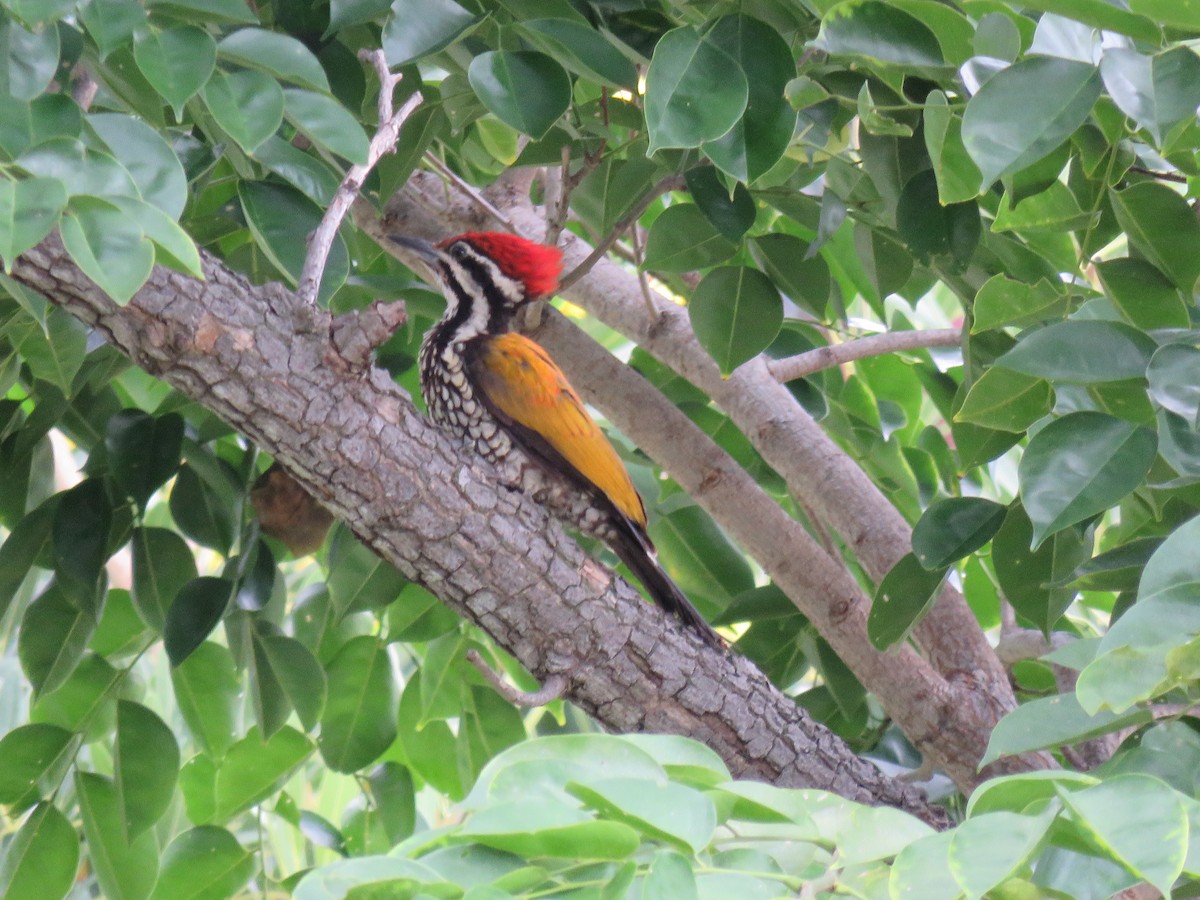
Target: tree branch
261,359
383,142
804,364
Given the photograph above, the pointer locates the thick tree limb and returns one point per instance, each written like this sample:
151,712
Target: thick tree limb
263,360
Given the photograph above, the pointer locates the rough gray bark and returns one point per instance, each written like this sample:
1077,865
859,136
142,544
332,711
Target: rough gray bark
265,363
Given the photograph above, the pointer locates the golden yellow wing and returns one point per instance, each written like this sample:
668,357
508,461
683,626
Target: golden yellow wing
520,380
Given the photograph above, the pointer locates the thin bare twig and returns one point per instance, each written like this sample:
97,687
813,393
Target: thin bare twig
665,185
549,692
643,280
1174,177
793,367
568,181
453,177
383,142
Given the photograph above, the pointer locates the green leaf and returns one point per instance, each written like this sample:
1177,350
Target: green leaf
1140,821
207,10
177,62
110,249
880,32
1174,374
1006,400
662,811
25,544
254,769
442,672
525,89
695,91
276,54
30,59
1051,722
542,826
1181,13
1145,297
310,175
759,138
195,612
354,12
328,123
111,23
123,868
418,28
40,860
906,593
56,352
33,760
582,50
358,577
281,219
81,525
1050,211
671,877
145,766
248,105
204,862
28,210
682,239
1012,122
1080,465
930,229
143,451
730,212
359,721
1082,351
736,313
1156,91
162,565
1118,569
81,169
987,849
148,158
804,279
1163,228
208,694
958,178
299,674
52,639
203,510
86,701
1100,14
953,528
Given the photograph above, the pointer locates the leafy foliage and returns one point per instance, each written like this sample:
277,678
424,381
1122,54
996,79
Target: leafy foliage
831,167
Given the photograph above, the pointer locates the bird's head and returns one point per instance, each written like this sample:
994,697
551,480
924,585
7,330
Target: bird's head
501,270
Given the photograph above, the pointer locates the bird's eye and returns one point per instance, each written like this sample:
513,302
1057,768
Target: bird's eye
459,250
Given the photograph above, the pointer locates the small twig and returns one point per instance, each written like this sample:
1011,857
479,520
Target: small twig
1161,176
383,142
665,185
643,280
446,172
804,364
84,90
550,691
357,333
568,181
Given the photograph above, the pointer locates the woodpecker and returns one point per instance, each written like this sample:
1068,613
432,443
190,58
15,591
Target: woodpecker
504,397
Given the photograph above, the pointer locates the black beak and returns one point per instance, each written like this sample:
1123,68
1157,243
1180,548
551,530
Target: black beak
423,249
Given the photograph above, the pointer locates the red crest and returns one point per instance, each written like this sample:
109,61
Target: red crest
537,266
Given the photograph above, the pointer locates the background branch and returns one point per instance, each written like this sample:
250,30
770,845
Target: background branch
802,364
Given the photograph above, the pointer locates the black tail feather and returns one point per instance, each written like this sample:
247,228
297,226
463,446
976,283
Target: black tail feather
636,551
